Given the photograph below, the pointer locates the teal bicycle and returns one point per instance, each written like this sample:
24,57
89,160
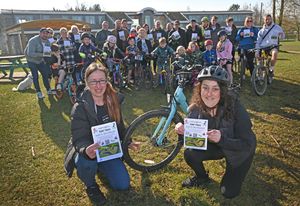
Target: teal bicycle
154,131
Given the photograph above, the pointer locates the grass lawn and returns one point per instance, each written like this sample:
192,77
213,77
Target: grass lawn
44,126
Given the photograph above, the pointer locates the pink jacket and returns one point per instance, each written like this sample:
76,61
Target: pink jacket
226,50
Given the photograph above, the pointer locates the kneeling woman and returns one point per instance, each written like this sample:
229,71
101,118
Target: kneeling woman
99,104
230,134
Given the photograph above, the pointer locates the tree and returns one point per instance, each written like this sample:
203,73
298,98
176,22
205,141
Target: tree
234,7
274,10
281,12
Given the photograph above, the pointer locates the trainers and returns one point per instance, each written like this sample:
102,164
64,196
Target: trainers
95,195
271,76
195,181
58,87
40,95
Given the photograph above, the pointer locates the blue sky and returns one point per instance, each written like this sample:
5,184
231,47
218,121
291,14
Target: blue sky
133,5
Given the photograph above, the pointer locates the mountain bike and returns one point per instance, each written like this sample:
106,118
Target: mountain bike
68,84
159,143
260,76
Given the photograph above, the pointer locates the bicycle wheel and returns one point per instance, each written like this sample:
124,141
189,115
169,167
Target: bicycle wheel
148,78
150,156
59,92
72,93
259,80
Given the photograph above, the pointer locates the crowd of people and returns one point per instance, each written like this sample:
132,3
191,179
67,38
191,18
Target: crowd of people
207,43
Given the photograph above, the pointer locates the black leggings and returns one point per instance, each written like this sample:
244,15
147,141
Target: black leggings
233,178
250,57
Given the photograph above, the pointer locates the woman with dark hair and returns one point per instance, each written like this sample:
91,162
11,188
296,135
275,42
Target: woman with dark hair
99,104
229,132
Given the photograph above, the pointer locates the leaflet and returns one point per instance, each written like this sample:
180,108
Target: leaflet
46,50
194,36
207,34
107,136
195,133
246,33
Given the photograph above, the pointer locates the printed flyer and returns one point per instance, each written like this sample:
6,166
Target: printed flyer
195,133
107,136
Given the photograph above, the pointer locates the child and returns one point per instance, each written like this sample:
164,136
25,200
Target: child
57,64
86,50
112,51
224,51
163,53
131,52
209,55
181,57
194,53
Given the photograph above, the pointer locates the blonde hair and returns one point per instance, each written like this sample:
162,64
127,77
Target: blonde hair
110,95
246,19
180,50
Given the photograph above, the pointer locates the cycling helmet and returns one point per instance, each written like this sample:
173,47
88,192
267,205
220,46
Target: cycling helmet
111,39
204,19
214,72
222,33
85,35
208,42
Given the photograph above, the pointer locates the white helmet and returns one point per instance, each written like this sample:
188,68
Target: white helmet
111,39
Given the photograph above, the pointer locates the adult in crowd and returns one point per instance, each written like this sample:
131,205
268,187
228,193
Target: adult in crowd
169,27
121,35
229,132
124,24
193,32
268,37
231,31
176,36
74,35
246,38
99,104
206,32
36,49
215,28
51,36
144,45
102,35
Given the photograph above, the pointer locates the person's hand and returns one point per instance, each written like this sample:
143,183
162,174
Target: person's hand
179,128
91,150
242,33
135,146
257,54
251,33
214,136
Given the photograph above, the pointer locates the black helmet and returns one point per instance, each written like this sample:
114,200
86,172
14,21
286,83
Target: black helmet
222,33
215,73
85,35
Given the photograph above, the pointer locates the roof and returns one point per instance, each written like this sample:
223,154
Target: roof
118,15
176,16
55,24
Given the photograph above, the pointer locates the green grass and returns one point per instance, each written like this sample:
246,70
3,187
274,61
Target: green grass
45,126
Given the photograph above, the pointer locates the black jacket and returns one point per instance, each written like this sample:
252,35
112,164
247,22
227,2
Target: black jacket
83,117
180,42
238,141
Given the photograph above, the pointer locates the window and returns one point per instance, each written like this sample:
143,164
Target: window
77,18
90,19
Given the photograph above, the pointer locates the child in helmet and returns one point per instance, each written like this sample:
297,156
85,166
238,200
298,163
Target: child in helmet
131,54
194,53
86,50
224,51
209,55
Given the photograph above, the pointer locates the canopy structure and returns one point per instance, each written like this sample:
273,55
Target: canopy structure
35,25
19,31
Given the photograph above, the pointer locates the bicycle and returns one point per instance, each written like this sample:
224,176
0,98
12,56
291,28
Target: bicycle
68,84
114,66
260,76
143,73
155,131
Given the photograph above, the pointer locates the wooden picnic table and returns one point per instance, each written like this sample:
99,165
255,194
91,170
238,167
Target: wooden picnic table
11,63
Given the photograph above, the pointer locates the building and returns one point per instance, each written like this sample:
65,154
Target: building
13,36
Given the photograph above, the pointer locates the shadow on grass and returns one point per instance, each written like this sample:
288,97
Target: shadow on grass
55,120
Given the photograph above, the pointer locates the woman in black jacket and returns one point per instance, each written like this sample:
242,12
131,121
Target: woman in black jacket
99,104
229,132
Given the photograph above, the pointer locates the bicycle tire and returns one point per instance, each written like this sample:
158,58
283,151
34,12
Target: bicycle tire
148,78
259,80
59,93
242,70
72,93
151,157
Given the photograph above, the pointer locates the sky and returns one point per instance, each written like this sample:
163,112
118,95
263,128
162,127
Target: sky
133,5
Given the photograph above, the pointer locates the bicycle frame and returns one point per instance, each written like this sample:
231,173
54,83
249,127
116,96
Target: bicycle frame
179,98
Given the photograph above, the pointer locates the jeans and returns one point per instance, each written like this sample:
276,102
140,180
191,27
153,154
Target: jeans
233,178
44,69
114,170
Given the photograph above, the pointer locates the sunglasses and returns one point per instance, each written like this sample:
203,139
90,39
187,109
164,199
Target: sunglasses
249,21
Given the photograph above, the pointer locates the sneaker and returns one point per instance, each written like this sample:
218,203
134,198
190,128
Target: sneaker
51,92
58,87
270,76
95,195
195,181
40,95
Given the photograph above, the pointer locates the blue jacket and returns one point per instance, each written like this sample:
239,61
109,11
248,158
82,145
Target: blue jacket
247,42
209,57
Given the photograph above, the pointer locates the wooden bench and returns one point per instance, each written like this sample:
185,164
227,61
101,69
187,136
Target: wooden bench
11,63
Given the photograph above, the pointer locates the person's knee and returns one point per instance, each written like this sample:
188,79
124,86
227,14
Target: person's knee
84,164
122,184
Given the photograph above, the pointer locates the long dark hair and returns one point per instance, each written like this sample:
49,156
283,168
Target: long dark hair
224,107
110,95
